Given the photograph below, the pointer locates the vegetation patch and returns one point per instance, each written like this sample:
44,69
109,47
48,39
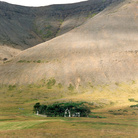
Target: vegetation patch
71,87
134,105
59,85
48,34
11,87
118,112
51,82
111,111
39,61
90,15
22,61
132,100
34,61
70,109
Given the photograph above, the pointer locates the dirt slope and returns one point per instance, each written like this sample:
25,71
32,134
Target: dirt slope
24,27
103,50
7,52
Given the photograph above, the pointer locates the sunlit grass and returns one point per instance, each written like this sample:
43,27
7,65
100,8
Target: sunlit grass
71,127
19,125
18,120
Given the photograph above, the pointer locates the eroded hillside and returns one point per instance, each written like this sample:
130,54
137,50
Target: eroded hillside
24,27
103,50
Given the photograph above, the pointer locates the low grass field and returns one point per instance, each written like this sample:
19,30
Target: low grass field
112,118
114,126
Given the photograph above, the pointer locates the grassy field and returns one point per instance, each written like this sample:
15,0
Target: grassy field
112,126
113,117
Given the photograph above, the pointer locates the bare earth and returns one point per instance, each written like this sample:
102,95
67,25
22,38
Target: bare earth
102,50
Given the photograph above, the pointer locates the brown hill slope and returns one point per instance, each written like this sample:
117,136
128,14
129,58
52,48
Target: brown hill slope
103,50
7,52
24,27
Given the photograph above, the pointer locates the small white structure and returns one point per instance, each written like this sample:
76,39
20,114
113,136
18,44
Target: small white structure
67,113
37,113
78,114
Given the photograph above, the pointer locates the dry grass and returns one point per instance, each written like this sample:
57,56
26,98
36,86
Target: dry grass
13,98
18,120
108,94
72,128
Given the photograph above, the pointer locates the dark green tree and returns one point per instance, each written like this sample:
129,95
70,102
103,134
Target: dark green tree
36,107
42,109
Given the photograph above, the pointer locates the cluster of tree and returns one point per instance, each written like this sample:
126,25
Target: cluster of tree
59,109
134,105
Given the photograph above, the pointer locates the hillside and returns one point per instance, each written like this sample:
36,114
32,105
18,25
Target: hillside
103,50
92,66
24,27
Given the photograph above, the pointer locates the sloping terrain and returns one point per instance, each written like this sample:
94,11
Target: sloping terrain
24,27
7,52
99,58
103,50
